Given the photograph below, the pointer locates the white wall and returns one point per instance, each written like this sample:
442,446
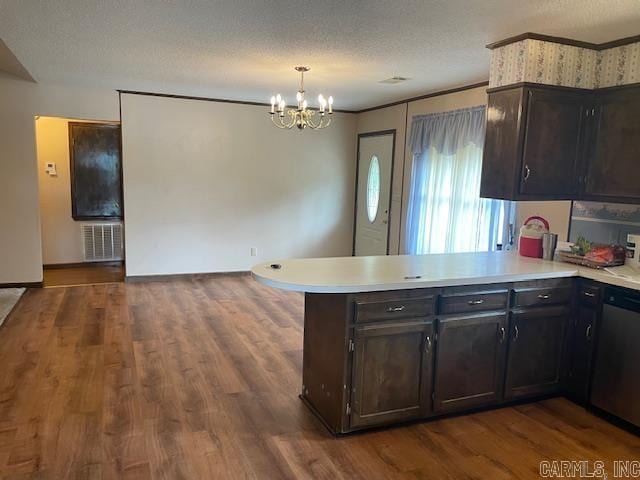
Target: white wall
206,181
61,240
20,247
557,213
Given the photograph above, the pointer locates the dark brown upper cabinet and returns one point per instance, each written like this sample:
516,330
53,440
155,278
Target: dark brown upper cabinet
614,147
534,142
558,143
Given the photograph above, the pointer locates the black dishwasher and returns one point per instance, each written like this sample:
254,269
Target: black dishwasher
616,377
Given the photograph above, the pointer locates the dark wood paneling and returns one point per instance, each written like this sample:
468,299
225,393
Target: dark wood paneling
552,143
469,361
535,351
391,372
613,165
325,351
96,171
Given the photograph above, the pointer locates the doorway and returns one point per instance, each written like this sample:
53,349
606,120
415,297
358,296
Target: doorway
81,210
373,192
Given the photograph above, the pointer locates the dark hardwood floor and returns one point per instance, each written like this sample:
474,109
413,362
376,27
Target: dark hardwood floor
83,275
199,379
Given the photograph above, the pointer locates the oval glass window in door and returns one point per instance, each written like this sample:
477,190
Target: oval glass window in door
373,188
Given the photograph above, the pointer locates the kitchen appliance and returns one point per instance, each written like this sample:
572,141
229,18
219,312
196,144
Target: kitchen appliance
633,251
615,387
530,244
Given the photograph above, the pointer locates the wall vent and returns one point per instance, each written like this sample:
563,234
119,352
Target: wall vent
102,241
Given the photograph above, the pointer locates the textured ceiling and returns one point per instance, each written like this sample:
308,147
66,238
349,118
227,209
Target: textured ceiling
246,49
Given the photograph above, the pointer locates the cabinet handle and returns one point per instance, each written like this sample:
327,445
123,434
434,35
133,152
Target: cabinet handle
527,172
395,309
427,344
544,296
502,334
589,294
588,332
516,333
475,302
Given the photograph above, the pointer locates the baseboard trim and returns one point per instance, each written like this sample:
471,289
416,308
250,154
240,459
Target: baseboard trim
182,276
22,285
55,266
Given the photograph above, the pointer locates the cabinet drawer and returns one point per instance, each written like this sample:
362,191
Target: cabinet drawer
473,302
537,297
589,294
390,309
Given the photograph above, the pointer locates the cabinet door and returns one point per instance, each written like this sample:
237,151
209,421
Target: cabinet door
535,351
502,144
552,143
469,361
391,372
581,332
613,166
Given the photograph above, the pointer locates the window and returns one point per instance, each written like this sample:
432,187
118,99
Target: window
445,212
373,189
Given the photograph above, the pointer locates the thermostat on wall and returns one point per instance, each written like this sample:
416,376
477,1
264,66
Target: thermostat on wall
51,170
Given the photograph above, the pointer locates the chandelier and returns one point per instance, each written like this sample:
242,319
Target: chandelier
301,117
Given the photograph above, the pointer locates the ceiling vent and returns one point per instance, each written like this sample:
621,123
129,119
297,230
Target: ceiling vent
394,80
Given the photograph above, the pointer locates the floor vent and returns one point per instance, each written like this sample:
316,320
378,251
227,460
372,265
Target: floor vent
102,241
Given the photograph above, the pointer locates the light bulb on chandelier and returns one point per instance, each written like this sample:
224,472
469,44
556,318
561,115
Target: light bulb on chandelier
301,117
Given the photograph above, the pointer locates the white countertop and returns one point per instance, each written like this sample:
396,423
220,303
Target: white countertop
369,274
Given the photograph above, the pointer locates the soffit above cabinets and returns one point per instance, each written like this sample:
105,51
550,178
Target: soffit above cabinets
564,62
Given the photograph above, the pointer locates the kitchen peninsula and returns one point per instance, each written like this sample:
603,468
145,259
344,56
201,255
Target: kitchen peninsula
396,338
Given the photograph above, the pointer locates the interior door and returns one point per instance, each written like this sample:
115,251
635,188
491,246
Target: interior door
373,193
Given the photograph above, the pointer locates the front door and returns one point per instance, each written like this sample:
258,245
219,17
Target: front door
373,192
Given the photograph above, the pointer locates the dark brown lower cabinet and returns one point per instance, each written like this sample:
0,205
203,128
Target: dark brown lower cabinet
581,347
534,363
379,358
391,372
470,356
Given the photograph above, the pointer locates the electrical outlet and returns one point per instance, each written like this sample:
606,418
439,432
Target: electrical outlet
254,251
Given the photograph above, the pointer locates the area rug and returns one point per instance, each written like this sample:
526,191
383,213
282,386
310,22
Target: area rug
8,299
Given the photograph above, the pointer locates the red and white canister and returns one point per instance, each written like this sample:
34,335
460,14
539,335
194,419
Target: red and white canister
531,236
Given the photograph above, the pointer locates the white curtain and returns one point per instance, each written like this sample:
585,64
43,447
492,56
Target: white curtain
445,211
